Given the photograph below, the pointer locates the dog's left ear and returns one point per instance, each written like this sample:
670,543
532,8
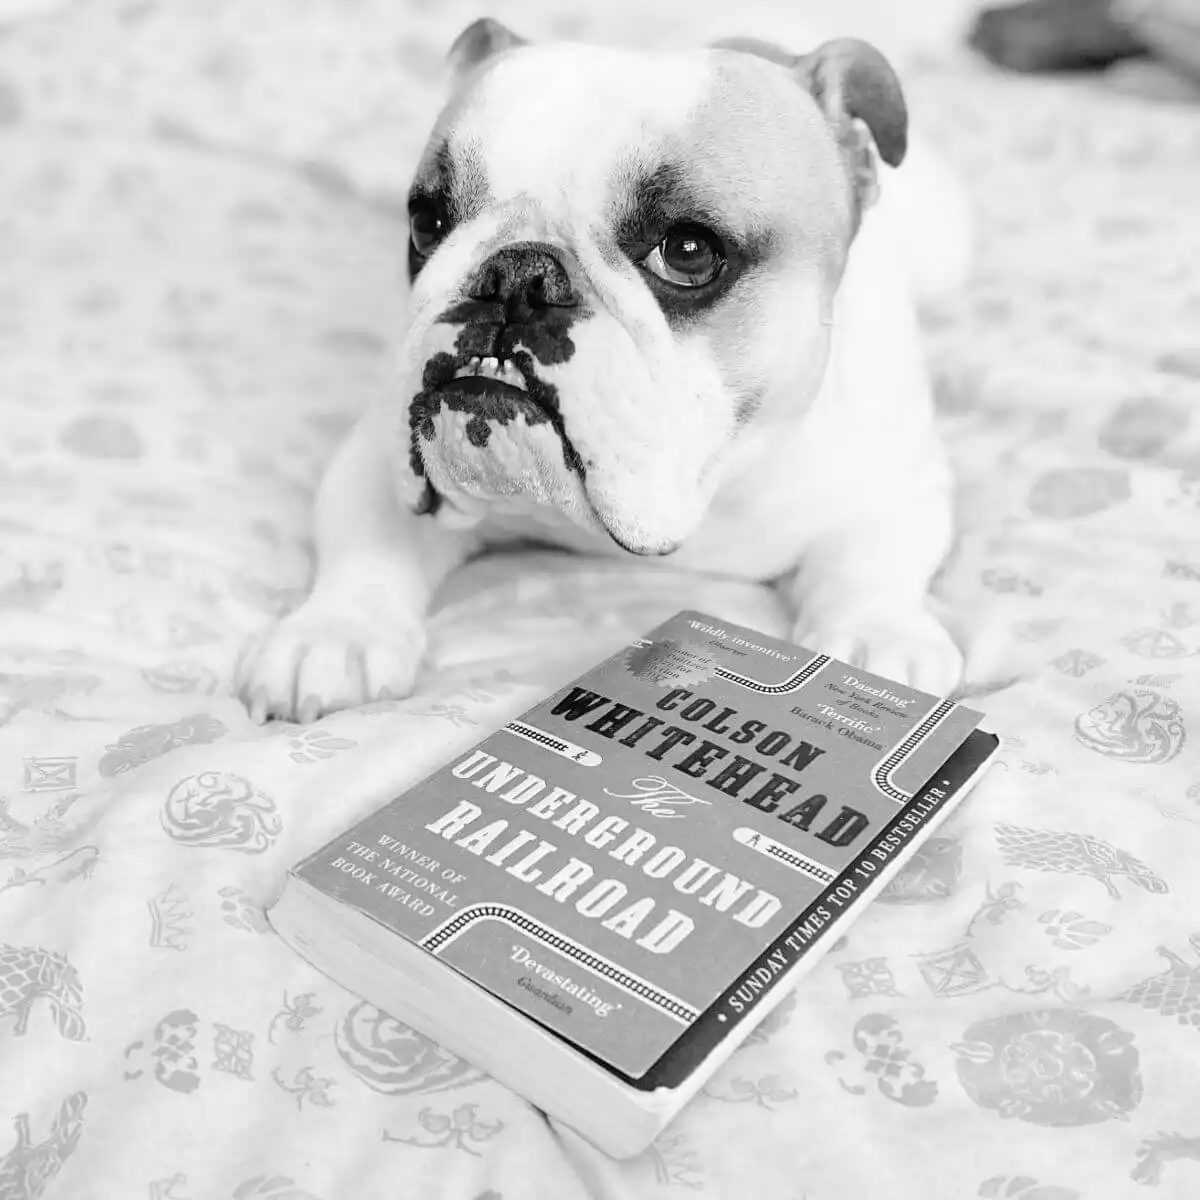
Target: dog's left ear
857,90
481,40
860,96
852,81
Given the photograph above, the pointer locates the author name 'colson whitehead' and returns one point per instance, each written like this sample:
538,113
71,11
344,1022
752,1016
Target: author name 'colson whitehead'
732,773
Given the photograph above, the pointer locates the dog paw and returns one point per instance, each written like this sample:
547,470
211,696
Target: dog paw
913,648
315,662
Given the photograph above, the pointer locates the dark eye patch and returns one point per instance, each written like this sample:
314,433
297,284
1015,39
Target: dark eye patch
650,203
453,184
648,206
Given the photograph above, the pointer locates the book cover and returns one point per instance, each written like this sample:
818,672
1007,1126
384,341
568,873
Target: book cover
634,859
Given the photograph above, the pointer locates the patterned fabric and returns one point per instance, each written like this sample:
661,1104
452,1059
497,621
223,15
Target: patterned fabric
200,286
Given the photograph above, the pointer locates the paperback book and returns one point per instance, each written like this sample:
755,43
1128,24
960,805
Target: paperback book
599,901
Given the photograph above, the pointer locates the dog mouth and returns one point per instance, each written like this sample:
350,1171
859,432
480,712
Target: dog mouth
493,394
490,384
479,375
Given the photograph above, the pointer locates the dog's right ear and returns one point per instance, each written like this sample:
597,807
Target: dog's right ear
481,40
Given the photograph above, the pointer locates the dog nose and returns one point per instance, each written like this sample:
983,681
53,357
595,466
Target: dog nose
529,273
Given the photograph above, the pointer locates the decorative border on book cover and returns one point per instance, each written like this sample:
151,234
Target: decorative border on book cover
883,774
549,741
804,676
632,984
754,840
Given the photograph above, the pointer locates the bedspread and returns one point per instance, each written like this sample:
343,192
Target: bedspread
200,254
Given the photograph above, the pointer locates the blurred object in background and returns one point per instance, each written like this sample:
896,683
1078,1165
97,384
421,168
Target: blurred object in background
1054,35
1152,46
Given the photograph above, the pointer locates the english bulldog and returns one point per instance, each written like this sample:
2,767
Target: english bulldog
655,311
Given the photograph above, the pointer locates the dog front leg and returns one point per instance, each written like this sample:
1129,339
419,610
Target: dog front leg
360,634
861,594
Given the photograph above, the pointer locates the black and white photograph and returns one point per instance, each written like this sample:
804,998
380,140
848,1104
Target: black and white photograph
599,601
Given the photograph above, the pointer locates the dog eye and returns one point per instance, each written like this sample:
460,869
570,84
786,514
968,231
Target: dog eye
689,257
426,227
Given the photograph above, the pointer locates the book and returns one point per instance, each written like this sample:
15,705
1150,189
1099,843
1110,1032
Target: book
597,903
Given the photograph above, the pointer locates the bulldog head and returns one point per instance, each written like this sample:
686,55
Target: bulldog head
623,260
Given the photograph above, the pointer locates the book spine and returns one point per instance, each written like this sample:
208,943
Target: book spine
735,1006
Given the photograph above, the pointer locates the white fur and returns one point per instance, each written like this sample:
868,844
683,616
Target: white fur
845,500
930,221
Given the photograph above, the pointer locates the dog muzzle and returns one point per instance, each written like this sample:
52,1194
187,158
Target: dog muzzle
489,428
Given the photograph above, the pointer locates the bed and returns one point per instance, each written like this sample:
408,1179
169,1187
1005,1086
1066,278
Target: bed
200,257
